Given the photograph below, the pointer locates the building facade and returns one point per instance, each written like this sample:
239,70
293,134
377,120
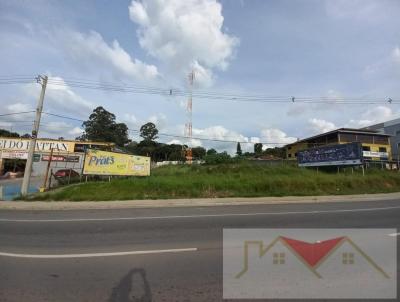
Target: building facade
65,154
391,128
376,146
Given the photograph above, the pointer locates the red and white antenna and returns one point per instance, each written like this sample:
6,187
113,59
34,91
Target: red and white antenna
188,124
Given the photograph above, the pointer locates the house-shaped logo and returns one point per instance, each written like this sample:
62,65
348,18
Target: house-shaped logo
311,255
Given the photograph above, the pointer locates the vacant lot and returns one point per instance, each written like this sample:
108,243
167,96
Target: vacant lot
230,180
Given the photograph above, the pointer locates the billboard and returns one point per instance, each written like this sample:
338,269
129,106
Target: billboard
110,163
332,155
376,154
14,154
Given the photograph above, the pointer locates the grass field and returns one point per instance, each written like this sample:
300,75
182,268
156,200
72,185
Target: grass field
229,180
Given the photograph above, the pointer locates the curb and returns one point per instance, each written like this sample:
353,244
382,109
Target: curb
201,202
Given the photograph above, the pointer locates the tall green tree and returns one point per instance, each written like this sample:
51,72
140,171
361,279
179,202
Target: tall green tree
101,126
257,148
238,149
149,132
198,152
211,151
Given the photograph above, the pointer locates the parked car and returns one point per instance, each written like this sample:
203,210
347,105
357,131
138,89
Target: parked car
66,175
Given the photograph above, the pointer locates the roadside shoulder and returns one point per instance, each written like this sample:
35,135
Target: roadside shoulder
118,204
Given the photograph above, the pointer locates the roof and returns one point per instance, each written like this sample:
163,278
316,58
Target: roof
312,255
383,124
340,130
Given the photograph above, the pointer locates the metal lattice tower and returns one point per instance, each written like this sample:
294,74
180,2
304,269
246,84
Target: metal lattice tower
188,124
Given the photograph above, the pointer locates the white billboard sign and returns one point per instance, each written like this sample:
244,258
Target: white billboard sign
14,154
375,154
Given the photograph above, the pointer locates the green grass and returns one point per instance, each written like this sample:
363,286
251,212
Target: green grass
229,180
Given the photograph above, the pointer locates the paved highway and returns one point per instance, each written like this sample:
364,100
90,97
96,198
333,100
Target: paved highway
158,254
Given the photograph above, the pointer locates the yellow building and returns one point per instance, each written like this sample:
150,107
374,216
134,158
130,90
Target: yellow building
376,146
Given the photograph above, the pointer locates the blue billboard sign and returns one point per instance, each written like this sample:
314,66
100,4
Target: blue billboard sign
331,155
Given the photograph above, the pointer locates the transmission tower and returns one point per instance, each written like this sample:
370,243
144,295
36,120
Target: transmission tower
188,124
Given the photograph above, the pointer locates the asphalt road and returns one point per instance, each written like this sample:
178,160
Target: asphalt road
183,261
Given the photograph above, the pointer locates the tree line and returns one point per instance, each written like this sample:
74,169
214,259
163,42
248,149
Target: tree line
102,126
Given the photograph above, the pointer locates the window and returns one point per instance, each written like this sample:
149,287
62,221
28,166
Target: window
348,258
366,148
279,258
295,154
289,155
382,149
397,132
289,148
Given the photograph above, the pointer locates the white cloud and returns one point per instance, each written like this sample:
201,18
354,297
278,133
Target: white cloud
359,9
330,102
60,98
372,116
276,137
90,51
320,125
184,35
16,108
220,134
175,142
378,113
76,131
396,54
19,107
160,120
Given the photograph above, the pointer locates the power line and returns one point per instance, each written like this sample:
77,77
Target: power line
16,113
63,116
218,96
201,94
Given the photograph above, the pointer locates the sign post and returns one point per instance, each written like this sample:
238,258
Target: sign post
47,171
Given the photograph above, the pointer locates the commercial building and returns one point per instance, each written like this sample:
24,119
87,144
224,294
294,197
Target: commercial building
66,154
376,146
391,128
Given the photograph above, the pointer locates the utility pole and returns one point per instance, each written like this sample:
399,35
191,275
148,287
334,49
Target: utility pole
32,144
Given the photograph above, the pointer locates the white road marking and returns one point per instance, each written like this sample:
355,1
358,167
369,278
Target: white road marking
203,215
394,234
91,255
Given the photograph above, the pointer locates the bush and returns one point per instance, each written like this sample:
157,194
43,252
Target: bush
218,158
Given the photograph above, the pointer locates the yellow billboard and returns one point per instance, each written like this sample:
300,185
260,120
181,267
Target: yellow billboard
110,163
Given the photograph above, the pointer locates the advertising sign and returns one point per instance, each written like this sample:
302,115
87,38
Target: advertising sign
332,155
110,163
61,158
14,154
20,144
375,154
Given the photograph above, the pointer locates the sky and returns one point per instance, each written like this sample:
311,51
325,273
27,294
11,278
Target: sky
325,50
